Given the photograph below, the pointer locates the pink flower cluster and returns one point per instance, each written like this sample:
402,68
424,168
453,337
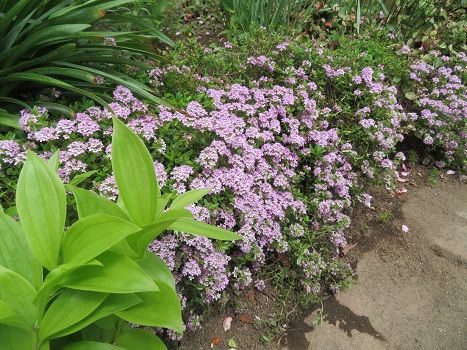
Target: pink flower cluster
441,98
283,161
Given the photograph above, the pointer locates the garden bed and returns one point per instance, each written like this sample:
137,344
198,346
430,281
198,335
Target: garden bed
304,139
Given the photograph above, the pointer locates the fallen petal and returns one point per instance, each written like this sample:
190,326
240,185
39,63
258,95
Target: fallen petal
405,229
450,172
401,190
346,249
227,323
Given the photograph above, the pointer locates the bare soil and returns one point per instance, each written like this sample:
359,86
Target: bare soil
410,291
412,287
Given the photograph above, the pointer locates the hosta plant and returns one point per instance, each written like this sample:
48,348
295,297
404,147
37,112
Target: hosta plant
77,287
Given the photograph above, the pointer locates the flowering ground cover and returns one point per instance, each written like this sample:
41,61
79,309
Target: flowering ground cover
286,134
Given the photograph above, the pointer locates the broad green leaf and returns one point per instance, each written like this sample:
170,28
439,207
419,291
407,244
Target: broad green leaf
140,241
69,308
41,204
92,235
158,309
19,294
139,339
81,177
134,174
111,305
124,248
119,274
89,203
162,203
157,269
15,253
94,332
92,345
54,161
188,198
13,338
202,229
8,316
54,278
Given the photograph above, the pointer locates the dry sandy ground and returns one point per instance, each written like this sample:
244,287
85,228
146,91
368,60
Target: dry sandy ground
412,288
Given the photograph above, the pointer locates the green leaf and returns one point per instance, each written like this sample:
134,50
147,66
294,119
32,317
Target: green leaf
92,345
111,305
134,174
157,269
92,235
188,198
162,203
158,309
8,17
69,308
202,229
54,161
41,205
81,177
41,37
46,80
15,254
119,274
54,278
90,203
8,119
19,294
139,339
140,241
133,85
8,316
232,343
59,108
12,338
410,95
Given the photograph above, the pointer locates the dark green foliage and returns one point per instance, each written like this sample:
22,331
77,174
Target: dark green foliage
62,44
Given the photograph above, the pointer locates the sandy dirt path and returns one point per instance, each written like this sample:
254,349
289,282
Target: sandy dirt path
412,288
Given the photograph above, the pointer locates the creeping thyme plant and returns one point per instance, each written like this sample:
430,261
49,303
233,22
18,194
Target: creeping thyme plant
285,132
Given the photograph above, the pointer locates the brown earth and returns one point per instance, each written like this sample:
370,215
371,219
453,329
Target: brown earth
410,291
412,287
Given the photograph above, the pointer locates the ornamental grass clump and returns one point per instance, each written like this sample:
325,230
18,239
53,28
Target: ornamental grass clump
79,287
66,45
